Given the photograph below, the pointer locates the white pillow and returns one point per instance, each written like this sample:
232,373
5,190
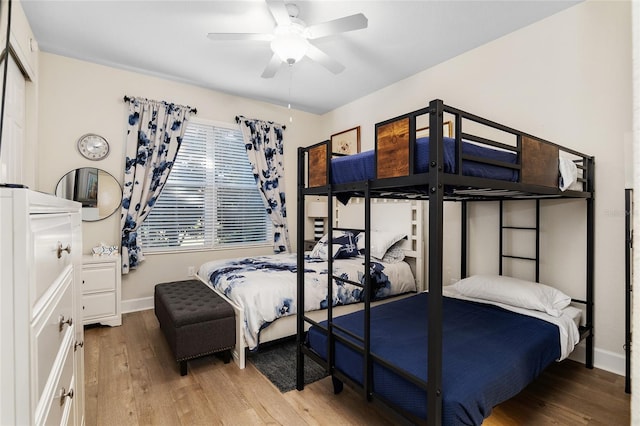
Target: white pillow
380,242
514,292
395,253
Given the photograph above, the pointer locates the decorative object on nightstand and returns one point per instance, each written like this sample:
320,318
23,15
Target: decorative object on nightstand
101,286
318,211
103,249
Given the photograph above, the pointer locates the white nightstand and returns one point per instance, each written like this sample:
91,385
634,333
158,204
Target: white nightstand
101,282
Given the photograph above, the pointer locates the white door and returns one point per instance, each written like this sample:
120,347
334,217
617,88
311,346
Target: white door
13,127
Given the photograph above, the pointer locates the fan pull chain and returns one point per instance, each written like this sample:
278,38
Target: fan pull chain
290,84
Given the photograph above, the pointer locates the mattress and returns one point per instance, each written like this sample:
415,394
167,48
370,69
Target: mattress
359,167
265,287
489,354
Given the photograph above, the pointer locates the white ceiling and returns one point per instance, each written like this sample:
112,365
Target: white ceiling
168,39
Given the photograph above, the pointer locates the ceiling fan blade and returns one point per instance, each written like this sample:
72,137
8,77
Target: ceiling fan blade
279,12
324,59
240,36
340,25
272,67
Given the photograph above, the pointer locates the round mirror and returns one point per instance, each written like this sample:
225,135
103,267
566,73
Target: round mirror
97,190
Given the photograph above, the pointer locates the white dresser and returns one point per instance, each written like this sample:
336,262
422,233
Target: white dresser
41,342
101,282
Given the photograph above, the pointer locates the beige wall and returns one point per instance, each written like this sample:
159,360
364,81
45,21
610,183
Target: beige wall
78,97
566,79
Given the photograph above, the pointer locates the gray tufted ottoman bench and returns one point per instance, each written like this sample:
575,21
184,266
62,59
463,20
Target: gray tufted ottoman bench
195,320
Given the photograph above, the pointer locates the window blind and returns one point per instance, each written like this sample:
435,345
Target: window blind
210,199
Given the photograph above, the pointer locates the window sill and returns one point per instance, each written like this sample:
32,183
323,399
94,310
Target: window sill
208,249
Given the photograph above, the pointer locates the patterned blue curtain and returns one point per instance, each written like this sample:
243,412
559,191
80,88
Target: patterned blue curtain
154,134
265,149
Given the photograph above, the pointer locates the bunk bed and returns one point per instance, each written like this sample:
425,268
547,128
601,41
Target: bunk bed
472,166
262,289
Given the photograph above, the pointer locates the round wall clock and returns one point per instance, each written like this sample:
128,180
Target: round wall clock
93,147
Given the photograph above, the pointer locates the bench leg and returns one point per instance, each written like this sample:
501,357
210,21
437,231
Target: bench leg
225,356
183,368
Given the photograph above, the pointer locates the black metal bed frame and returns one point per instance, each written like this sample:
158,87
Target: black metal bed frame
628,251
436,186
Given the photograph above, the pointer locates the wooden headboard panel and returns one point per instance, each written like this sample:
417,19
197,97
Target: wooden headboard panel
539,163
318,165
392,146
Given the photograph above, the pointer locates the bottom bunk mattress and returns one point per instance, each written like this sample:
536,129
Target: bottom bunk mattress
489,354
265,287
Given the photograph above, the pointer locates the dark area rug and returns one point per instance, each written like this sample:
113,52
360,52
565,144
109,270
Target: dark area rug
277,361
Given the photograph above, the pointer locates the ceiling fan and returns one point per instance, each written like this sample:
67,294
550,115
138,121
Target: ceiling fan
290,40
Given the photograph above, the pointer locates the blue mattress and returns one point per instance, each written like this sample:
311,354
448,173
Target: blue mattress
489,354
359,167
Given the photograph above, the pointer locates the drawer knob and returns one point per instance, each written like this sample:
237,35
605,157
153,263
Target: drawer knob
78,345
62,322
64,394
60,249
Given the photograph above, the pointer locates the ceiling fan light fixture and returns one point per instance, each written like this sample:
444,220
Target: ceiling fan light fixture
289,46
292,39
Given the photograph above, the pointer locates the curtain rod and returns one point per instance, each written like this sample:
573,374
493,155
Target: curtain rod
238,121
193,110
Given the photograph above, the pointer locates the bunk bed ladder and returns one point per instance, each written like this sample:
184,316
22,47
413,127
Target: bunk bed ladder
535,228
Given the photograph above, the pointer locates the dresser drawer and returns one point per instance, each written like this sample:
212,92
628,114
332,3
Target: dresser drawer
51,329
98,305
98,277
57,407
51,234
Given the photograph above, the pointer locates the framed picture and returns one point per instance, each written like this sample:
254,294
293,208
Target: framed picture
347,142
86,187
447,130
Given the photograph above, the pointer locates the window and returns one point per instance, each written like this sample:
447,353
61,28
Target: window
210,199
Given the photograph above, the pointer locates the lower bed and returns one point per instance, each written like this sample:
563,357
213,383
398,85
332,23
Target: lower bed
489,354
262,290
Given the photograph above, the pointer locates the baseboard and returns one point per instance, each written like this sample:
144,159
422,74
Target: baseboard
135,305
602,359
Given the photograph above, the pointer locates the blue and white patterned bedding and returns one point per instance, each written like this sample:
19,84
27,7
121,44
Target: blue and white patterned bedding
265,286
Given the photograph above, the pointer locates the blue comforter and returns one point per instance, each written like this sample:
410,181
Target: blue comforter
359,167
489,354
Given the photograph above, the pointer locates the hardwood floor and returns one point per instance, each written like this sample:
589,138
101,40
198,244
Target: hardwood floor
131,379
